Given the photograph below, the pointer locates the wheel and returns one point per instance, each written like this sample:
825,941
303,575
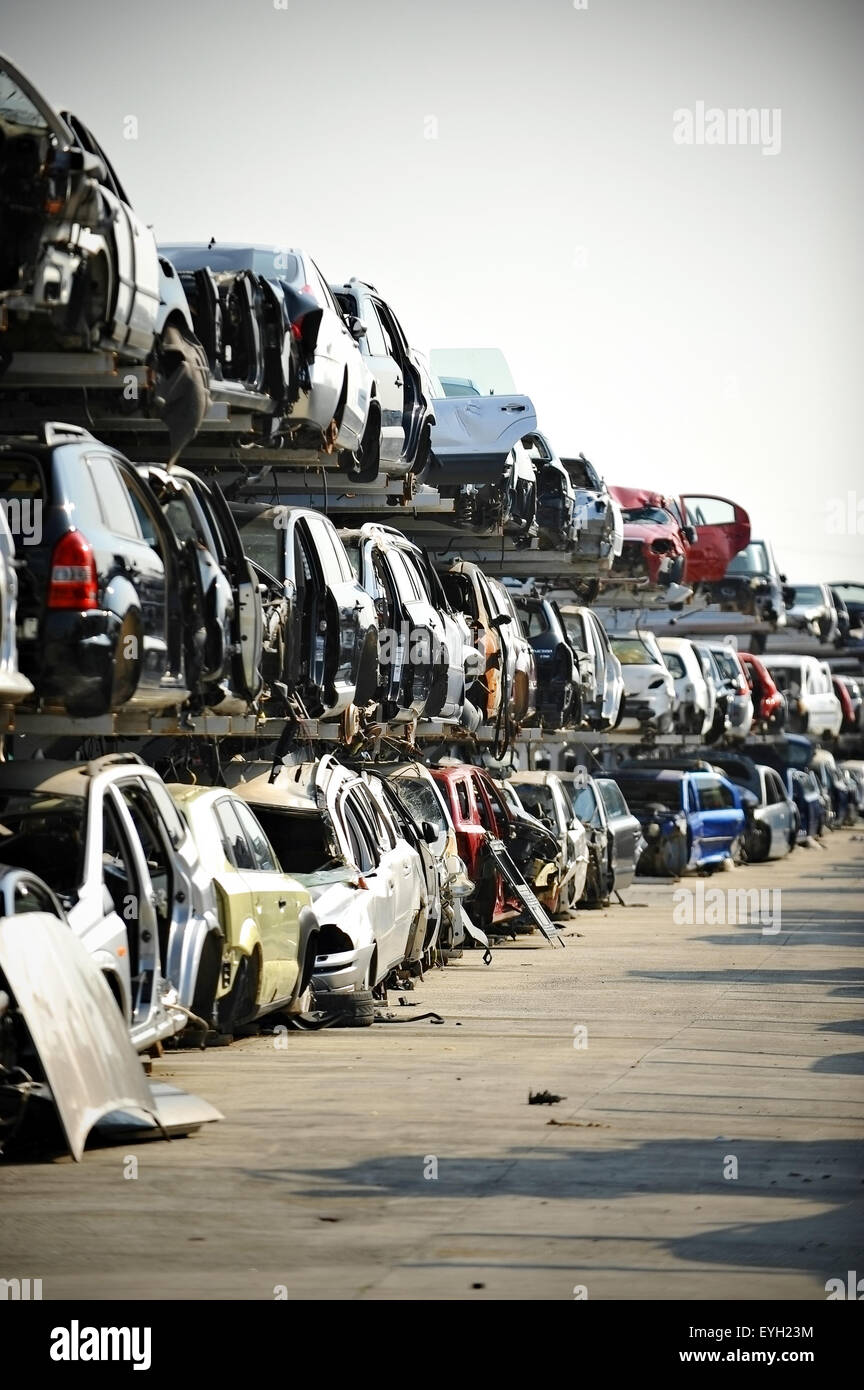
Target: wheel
355,1010
757,844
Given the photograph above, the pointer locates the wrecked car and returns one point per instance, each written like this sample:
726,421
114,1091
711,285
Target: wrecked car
544,796
272,329
114,849
407,416
427,659
601,678
269,929
559,681
321,626
332,831
689,819
600,525
79,271
14,686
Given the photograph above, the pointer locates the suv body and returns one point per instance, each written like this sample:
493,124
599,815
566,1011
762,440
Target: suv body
101,620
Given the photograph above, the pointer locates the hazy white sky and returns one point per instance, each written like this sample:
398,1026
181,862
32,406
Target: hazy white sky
688,316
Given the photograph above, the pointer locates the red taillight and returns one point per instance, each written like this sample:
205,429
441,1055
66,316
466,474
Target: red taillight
297,330
73,582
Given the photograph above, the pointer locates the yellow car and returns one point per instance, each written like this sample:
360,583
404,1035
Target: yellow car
269,926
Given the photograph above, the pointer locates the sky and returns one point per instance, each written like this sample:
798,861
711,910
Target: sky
518,175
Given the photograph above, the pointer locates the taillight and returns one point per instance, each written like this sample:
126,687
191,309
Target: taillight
73,582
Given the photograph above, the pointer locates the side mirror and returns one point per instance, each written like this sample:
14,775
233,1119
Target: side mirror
356,327
691,535
429,832
783,580
500,619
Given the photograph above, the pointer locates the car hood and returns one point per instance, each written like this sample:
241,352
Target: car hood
79,1033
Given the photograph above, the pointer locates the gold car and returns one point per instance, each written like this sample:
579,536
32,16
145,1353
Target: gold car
269,926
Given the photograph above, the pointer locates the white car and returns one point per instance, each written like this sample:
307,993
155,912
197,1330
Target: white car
696,696
599,667
542,795
326,391
332,831
813,707
649,687
475,431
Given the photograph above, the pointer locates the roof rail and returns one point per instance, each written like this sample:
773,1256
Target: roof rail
97,765
53,431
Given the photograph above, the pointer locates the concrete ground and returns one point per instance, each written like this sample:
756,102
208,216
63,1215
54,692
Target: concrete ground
707,1143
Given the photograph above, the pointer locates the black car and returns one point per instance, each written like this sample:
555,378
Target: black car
105,599
558,678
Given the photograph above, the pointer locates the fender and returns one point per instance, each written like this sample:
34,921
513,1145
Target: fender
186,942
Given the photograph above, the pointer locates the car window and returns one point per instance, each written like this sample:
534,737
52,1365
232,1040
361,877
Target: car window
585,806
406,576
384,832
32,897
708,511
537,623
114,501
389,331
237,849
632,651
612,798
331,552
497,805
714,795
421,801
262,853
172,820
375,340
322,290
464,799
361,833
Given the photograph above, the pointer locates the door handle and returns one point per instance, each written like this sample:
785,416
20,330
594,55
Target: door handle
513,409
283,902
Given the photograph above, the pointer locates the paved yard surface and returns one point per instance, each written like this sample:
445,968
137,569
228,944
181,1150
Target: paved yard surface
710,1050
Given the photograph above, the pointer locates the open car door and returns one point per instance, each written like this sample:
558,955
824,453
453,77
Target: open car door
723,528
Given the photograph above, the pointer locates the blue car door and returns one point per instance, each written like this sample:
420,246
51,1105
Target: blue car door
719,814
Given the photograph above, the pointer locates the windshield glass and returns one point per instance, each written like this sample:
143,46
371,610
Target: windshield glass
807,593
753,559
653,515
45,833
421,801
632,651
585,806
17,108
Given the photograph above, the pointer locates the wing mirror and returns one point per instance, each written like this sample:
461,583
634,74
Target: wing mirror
356,327
500,619
429,832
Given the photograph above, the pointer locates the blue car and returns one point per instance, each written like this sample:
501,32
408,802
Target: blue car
690,820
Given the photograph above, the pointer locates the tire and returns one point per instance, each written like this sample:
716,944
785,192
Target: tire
355,1010
127,670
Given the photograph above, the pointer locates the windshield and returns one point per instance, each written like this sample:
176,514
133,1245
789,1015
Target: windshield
642,792
655,516
17,108
421,800
807,593
263,540
45,834
632,651
753,559
271,262
538,801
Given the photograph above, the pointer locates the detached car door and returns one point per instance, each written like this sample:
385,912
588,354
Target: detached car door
249,614
346,617
723,528
389,379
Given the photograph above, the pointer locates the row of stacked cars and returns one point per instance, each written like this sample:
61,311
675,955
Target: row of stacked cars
175,884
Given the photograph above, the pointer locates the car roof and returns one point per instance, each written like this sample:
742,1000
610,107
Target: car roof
60,777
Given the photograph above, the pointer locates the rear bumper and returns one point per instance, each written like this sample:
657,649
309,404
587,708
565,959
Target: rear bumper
341,973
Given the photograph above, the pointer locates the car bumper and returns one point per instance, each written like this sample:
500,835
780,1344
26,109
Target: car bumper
343,972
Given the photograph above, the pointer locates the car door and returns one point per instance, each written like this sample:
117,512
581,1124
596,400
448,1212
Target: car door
723,528
141,900
383,873
345,615
422,628
336,351
248,608
624,829
389,379
277,907
778,808
718,816
412,894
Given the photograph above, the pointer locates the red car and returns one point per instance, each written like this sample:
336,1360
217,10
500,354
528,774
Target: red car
769,705
683,540
477,807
